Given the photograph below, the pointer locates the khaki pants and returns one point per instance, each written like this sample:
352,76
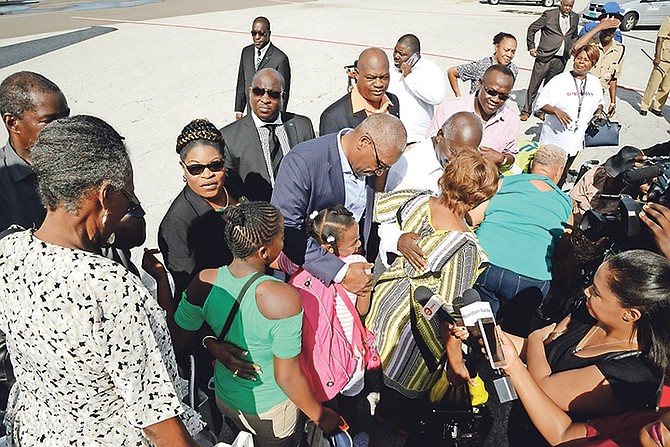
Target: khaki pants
658,87
272,428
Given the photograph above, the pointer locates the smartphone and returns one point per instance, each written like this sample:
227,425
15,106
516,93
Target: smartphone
412,59
487,327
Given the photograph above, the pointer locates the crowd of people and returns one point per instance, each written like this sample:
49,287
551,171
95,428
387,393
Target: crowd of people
300,272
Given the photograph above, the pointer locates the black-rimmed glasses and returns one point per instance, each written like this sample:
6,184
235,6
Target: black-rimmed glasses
273,94
133,201
491,92
379,170
259,33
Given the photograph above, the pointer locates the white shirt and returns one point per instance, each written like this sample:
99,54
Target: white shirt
263,51
418,93
264,137
562,93
418,168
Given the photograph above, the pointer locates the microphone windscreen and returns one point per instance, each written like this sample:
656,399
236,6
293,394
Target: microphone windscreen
470,296
422,294
635,176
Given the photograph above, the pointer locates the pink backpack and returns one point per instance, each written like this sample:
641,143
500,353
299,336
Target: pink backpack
327,357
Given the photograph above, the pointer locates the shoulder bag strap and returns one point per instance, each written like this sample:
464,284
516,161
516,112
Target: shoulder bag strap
236,305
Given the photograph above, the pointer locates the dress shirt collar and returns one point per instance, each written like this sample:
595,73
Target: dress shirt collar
260,123
497,115
359,103
18,167
264,50
346,167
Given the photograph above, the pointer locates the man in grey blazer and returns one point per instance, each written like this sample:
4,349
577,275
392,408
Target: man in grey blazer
261,54
256,144
338,168
558,29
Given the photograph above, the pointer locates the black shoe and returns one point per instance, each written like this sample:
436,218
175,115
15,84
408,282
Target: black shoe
657,112
643,112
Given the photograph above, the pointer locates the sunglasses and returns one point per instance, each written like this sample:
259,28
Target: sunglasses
133,201
259,33
273,94
197,169
490,92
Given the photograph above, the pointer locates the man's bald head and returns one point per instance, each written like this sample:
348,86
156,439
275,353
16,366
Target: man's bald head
462,130
373,75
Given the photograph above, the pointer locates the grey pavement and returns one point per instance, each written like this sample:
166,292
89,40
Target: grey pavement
171,61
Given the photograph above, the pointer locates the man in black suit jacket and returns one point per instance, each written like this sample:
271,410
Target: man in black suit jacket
256,144
558,33
262,54
368,97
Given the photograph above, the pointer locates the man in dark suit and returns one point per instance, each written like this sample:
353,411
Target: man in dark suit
330,170
368,97
558,33
256,144
262,54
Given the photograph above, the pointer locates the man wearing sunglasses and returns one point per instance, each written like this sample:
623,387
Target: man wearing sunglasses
261,54
256,144
501,123
336,169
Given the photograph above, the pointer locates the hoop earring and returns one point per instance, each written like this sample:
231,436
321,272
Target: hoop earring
183,177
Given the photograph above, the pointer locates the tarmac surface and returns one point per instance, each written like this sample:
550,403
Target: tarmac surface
148,67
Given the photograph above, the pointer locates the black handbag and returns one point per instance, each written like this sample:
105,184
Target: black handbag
602,132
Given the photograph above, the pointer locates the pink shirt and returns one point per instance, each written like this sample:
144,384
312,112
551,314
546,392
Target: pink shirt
500,132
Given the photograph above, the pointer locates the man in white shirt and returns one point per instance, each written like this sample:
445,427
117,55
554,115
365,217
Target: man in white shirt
420,167
419,85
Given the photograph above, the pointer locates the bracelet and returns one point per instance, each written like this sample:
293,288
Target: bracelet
207,337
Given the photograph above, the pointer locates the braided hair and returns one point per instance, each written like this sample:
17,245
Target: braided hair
199,131
327,226
249,226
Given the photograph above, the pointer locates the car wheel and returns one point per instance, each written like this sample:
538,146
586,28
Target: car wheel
547,3
628,22
493,2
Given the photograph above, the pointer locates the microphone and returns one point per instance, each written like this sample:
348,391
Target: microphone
638,175
432,304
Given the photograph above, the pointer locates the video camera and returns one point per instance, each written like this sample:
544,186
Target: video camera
622,222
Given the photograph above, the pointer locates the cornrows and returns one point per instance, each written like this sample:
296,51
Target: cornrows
249,226
199,129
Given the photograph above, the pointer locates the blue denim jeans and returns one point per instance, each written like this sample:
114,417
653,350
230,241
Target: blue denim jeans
518,295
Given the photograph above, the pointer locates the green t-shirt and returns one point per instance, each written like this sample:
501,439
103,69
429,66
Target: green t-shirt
262,337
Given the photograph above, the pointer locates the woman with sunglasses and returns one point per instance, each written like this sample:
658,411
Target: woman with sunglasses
190,236
570,101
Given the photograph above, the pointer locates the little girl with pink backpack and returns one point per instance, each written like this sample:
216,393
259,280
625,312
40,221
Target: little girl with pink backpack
336,347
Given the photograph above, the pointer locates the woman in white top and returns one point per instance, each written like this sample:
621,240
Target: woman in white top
570,101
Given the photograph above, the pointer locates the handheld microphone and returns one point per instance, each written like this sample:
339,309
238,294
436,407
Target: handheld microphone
432,304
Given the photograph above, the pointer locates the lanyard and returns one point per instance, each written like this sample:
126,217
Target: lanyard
580,95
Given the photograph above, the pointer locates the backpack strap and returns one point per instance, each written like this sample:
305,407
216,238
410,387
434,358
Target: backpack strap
357,318
236,304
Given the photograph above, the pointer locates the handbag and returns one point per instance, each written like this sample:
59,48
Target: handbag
603,133
370,354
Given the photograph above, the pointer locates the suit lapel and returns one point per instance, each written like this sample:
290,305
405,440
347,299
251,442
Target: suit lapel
267,57
335,174
253,145
289,127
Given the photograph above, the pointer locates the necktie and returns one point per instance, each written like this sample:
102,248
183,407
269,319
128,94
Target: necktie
258,58
276,153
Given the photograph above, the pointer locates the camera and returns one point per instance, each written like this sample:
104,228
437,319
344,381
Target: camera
618,218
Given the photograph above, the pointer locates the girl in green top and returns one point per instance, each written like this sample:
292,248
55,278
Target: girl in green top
264,392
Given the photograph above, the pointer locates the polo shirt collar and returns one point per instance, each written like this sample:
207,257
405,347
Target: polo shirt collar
18,168
359,103
346,167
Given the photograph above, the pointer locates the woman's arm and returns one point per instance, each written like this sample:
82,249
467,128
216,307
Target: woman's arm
452,75
563,117
170,433
550,420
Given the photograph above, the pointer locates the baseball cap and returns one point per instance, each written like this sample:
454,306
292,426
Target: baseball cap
611,9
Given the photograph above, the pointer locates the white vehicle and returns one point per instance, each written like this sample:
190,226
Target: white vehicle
636,12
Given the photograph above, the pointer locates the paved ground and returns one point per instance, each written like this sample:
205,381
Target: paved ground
149,69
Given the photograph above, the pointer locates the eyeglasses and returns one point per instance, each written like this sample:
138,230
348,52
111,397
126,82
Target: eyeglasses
379,170
273,94
197,169
133,201
259,33
490,92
